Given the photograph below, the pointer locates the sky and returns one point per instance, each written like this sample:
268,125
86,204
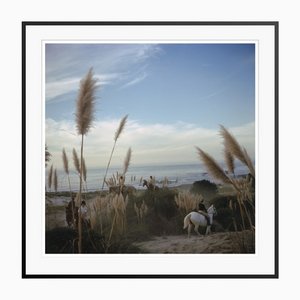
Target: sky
175,95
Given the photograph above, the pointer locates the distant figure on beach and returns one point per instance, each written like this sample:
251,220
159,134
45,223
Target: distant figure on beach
83,211
71,212
202,210
150,184
121,183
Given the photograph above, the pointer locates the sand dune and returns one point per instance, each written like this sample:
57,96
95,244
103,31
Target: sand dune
225,242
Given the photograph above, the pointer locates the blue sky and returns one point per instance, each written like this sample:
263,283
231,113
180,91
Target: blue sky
185,90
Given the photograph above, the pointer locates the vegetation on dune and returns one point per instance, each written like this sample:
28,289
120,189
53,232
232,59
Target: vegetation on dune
244,202
208,190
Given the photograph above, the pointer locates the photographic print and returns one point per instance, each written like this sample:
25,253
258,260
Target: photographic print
151,149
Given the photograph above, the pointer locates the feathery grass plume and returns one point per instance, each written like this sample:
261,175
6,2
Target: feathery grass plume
232,145
50,177
55,180
66,168
65,161
212,167
127,161
47,155
229,160
84,173
186,201
85,103
84,117
76,161
120,129
84,170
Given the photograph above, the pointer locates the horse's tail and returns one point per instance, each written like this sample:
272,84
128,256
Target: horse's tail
186,221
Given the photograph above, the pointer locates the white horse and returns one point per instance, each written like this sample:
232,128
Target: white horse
197,219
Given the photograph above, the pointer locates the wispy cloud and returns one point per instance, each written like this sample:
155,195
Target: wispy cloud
65,65
136,80
151,143
61,87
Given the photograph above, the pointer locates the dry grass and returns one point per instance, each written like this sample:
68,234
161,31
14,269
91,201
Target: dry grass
119,130
84,117
55,181
65,161
213,167
85,103
229,160
233,147
84,170
127,161
76,161
243,187
121,127
50,173
47,155
141,211
187,202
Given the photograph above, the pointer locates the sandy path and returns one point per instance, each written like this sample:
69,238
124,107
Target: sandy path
225,242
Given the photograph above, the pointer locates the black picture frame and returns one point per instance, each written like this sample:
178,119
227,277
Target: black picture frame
27,24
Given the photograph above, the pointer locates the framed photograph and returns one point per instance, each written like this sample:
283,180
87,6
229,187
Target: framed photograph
150,149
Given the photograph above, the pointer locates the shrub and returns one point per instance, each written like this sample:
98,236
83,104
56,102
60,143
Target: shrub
229,213
65,240
206,188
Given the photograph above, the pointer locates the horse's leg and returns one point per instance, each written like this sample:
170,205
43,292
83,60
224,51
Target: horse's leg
208,230
196,229
189,230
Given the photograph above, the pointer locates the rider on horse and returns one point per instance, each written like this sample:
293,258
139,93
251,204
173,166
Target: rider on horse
203,211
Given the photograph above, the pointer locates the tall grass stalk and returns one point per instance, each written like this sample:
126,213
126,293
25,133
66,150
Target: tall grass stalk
117,135
232,150
76,161
50,173
84,172
55,181
232,146
47,155
66,168
229,160
127,161
84,118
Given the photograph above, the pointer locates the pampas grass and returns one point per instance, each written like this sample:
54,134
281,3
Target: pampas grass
232,146
76,161
66,168
50,177
47,155
118,132
127,161
187,202
84,171
55,181
229,160
85,103
232,150
212,167
120,128
140,210
84,117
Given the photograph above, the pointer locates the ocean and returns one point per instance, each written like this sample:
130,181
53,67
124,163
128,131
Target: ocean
176,175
